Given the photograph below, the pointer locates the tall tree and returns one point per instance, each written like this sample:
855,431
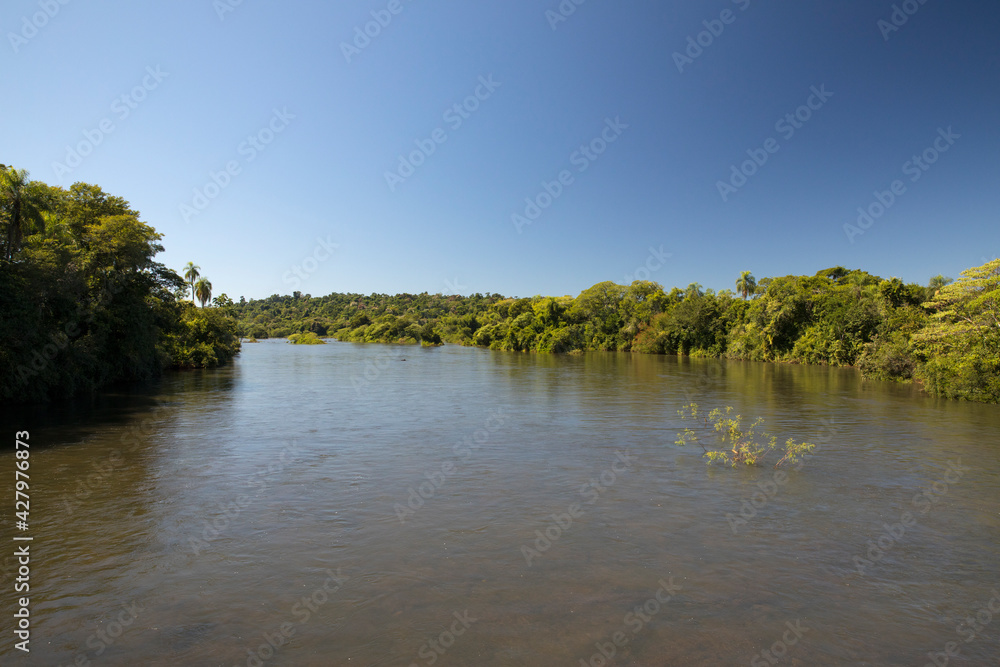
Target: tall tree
191,274
21,202
962,341
693,291
969,308
936,284
746,284
83,206
203,291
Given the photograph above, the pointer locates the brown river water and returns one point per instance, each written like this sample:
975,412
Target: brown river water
384,505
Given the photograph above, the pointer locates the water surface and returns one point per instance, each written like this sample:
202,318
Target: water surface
188,523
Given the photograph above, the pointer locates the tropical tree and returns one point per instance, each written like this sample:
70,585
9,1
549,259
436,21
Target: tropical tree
203,291
223,301
83,206
693,291
936,284
746,284
21,203
191,274
962,341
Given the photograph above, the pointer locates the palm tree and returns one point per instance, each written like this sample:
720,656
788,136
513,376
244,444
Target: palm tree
746,284
23,202
693,291
935,285
203,290
191,274
937,282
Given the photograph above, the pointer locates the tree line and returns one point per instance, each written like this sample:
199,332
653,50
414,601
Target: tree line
83,303
945,335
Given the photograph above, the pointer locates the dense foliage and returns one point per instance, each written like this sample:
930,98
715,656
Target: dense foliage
944,335
82,301
84,304
959,349
307,338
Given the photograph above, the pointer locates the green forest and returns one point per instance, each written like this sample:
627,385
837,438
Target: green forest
83,304
945,335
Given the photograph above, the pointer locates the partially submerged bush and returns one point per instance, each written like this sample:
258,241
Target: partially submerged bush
307,338
747,444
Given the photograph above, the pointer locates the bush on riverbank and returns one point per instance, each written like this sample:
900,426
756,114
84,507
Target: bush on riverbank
202,338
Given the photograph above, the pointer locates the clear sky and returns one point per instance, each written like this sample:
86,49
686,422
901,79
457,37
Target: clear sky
149,100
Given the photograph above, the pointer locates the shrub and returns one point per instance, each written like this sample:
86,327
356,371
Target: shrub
747,444
307,338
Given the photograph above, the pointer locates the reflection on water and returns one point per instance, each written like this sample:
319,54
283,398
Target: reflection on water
371,505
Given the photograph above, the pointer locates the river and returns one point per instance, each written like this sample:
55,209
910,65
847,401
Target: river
348,504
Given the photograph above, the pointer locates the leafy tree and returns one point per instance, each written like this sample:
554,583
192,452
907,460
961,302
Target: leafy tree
84,303
693,291
223,301
202,338
836,274
960,345
935,285
84,205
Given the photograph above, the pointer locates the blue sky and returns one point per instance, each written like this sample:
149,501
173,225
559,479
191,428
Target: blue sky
200,78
